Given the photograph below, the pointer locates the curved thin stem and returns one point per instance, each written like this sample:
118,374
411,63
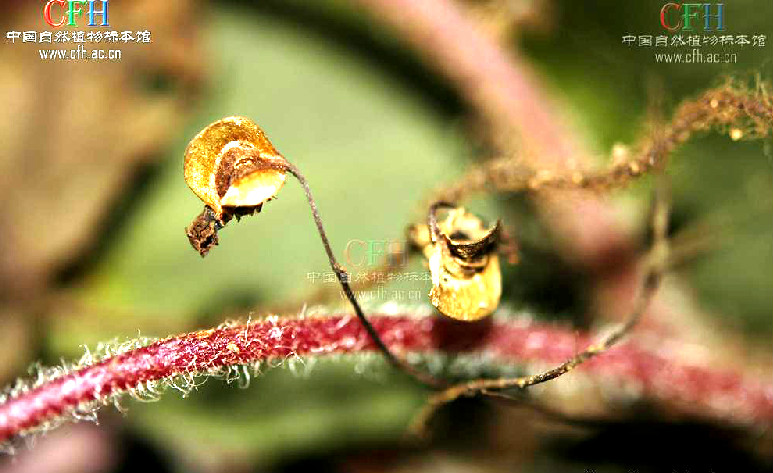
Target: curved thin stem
343,279
434,231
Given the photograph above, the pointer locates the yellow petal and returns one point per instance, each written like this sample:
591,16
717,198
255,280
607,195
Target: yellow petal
465,298
254,189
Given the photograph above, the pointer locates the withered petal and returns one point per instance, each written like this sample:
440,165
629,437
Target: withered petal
475,249
253,189
466,298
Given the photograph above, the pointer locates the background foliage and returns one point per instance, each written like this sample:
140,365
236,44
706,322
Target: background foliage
375,131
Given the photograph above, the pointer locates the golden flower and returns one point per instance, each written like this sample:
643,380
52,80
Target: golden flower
234,169
466,279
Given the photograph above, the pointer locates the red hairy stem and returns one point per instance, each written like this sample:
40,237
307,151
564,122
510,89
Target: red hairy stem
691,389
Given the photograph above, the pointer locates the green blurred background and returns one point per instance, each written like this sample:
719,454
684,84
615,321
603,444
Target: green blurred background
375,130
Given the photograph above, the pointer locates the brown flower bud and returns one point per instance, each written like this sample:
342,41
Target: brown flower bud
233,167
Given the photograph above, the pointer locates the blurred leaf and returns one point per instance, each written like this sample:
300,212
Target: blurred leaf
74,133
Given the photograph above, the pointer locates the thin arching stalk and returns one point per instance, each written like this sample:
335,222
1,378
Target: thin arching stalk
343,279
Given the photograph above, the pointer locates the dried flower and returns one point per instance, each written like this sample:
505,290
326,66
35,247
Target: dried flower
234,169
466,279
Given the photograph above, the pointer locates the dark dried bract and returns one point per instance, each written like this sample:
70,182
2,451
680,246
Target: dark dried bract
202,232
463,246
